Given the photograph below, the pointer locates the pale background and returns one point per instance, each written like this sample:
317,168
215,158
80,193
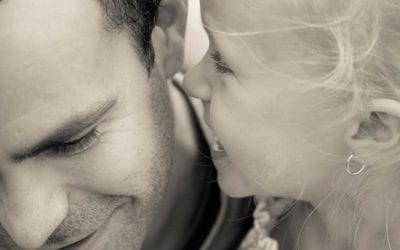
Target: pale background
196,38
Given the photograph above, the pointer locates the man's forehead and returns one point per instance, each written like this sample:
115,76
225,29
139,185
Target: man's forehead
56,58
49,49
33,28
44,20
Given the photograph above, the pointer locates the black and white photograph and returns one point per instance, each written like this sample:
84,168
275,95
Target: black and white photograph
199,124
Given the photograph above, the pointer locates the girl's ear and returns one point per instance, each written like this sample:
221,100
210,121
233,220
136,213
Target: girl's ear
168,36
379,131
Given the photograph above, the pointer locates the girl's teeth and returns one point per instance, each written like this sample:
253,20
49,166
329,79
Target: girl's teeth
217,147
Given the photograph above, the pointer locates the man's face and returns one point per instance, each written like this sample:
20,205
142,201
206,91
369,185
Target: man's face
84,133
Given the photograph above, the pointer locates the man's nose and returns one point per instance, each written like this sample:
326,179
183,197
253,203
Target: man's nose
31,208
196,84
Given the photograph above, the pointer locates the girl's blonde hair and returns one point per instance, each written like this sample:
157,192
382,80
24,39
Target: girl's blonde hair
357,44
356,41
354,45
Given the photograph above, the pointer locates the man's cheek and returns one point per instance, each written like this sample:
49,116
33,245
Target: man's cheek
120,164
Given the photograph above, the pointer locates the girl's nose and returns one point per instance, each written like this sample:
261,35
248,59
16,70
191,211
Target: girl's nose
196,84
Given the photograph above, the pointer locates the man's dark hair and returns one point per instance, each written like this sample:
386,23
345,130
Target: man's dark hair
139,17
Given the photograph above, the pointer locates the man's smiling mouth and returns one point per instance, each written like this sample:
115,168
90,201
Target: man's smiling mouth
80,242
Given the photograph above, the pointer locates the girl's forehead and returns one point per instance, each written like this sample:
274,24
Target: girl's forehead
260,31
247,15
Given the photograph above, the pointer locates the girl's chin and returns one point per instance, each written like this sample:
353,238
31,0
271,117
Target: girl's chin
232,182
234,190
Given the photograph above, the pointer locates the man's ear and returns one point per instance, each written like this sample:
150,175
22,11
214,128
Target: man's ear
378,132
169,35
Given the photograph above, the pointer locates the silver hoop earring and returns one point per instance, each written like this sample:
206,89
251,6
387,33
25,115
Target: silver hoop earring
350,161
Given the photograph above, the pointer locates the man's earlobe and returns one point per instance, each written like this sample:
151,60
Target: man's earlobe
379,132
169,36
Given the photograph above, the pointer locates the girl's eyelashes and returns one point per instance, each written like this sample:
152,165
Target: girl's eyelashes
74,147
220,65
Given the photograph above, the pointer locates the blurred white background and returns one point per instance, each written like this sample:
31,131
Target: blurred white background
196,38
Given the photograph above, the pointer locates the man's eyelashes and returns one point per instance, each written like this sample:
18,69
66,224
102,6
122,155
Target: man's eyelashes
74,147
220,65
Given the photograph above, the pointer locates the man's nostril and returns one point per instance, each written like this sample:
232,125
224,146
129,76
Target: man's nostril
6,242
56,238
30,214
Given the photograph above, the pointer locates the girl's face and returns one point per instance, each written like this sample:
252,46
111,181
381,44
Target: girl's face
276,137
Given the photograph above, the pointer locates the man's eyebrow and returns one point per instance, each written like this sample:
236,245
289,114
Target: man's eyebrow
75,125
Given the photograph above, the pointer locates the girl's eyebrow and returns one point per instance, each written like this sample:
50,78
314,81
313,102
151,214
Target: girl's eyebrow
75,125
220,62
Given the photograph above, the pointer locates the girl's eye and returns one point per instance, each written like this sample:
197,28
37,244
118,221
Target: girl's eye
220,65
75,147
